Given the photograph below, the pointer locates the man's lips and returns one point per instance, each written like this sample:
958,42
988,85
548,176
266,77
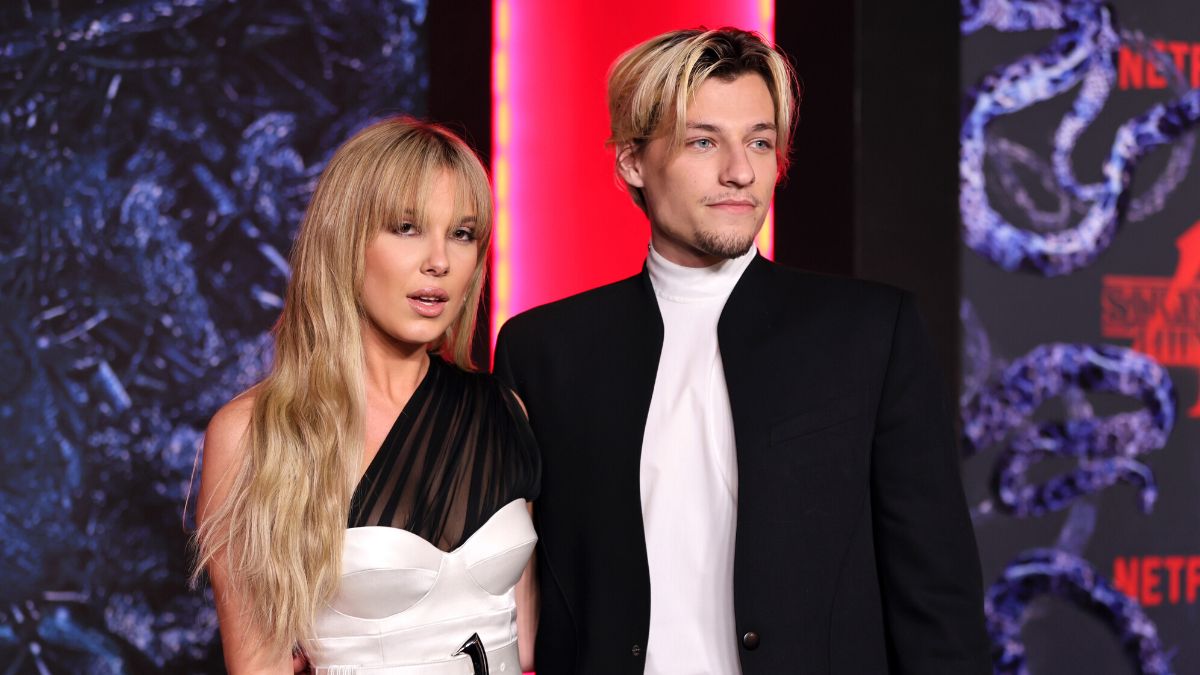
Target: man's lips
733,206
429,302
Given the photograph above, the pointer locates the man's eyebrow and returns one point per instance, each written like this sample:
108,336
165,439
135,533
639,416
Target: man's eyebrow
716,129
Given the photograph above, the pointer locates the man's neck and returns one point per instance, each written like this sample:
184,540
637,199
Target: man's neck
680,283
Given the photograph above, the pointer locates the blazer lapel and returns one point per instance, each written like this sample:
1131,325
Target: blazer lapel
743,334
626,367
641,339
748,311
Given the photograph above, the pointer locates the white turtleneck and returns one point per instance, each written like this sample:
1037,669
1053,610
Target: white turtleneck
689,482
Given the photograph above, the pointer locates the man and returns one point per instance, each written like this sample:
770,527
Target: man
745,468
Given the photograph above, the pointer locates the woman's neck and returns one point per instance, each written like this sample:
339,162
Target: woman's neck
392,369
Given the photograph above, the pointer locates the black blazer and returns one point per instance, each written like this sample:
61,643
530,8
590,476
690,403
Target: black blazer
854,551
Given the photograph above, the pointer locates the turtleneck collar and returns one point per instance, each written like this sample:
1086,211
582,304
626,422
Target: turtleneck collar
678,283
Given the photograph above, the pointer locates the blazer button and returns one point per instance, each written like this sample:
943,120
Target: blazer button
637,651
750,640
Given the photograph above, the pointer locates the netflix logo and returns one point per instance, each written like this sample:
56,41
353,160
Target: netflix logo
1154,580
1135,71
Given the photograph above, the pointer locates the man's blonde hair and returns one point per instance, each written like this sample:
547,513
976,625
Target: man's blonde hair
650,85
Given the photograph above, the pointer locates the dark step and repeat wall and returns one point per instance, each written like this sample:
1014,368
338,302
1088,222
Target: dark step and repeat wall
155,159
1080,207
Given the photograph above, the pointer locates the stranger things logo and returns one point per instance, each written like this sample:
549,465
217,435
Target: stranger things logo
1160,314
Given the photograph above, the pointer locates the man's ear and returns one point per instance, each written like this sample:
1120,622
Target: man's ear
629,165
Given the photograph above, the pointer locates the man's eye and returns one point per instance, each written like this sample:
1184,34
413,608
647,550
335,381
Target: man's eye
763,144
702,143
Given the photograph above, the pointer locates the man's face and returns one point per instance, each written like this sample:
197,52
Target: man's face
707,199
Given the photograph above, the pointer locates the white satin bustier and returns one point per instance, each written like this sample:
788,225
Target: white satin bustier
405,607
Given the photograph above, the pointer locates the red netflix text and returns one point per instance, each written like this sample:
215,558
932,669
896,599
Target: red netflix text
1158,579
1135,71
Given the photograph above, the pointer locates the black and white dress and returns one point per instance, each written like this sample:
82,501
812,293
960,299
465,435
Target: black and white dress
439,534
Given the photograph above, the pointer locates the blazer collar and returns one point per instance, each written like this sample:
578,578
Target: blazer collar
747,312
751,306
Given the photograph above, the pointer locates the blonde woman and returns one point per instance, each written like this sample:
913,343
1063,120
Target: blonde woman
367,502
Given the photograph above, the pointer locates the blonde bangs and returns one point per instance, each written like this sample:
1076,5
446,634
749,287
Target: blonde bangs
402,193
404,188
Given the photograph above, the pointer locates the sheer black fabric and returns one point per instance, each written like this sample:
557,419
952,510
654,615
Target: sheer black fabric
461,449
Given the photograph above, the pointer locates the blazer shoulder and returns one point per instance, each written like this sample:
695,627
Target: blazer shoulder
574,309
857,295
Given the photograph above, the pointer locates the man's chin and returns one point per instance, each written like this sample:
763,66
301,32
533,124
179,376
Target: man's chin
724,247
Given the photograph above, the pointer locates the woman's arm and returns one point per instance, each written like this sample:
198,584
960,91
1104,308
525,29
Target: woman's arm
222,458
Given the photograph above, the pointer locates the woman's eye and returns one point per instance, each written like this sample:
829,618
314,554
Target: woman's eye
404,228
464,234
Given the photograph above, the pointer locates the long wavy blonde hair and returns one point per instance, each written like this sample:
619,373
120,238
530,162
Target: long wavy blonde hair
281,528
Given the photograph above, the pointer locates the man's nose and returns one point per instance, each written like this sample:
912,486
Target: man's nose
736,170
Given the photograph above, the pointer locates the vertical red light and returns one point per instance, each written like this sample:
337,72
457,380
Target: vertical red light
563,224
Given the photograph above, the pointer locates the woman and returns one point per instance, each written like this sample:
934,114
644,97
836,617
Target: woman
367,500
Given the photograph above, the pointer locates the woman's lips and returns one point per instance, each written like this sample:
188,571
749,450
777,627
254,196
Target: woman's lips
428,302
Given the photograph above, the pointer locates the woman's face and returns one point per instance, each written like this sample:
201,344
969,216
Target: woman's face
417,271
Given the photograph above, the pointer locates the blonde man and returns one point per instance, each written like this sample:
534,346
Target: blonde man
746,468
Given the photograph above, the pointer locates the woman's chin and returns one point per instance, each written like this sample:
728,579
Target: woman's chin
412,337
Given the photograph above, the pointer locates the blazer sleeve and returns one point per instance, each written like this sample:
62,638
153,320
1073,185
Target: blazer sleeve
502,358
929,570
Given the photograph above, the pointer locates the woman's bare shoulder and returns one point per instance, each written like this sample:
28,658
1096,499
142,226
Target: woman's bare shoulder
229,423
223,446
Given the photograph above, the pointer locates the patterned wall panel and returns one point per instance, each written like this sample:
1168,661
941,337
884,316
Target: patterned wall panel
1080,224
155,160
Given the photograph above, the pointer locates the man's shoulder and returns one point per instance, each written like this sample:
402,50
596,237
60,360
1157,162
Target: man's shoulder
843,293
575,310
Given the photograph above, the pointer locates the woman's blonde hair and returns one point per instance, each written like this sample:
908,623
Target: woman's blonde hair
281,528
650,85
